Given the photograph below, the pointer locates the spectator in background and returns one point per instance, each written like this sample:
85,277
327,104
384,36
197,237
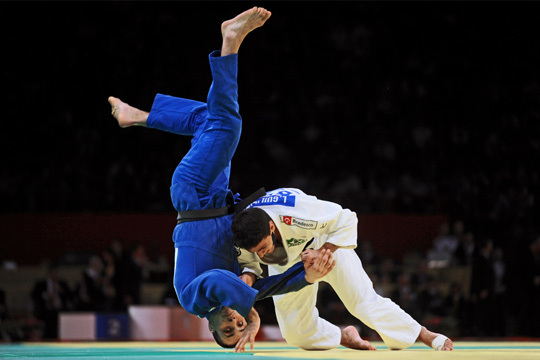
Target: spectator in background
114,256
431,300
458,309
133,271
384,278
531,318
95,291
50,296
4,336
500,303
366,254
406,297
465,251
169,296
421,277
3,306
387,272
482,287
110,269
445,244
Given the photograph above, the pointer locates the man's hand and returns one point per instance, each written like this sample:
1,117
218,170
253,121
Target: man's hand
309,255
251,330
248,278
321,266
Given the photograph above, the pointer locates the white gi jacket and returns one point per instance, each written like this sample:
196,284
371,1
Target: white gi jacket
300,218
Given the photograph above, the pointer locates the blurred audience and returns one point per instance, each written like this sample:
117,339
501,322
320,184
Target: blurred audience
530,295
95,291
50,296
482,289
3,305
132,272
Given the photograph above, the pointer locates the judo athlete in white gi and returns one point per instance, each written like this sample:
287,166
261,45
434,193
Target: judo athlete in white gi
278,229
206,273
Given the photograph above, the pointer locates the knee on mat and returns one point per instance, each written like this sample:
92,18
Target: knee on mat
309,347
302,343
396,345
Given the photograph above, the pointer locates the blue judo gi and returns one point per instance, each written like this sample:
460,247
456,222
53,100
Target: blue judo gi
206,268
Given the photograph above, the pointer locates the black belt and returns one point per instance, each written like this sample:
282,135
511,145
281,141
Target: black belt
194,215
308,243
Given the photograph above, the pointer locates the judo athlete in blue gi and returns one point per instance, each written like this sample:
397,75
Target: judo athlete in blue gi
206,277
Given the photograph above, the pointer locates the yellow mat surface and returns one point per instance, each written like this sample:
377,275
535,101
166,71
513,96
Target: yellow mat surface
262,351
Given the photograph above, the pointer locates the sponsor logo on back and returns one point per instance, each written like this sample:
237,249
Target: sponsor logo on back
301,223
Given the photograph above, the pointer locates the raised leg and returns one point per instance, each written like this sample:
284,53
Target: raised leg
207,164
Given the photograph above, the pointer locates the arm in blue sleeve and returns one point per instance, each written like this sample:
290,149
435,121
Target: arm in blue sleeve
291,280
214,289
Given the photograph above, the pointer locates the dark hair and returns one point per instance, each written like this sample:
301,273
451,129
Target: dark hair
249,227
219,341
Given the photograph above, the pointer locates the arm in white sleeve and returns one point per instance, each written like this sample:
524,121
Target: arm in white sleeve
339,225
249,263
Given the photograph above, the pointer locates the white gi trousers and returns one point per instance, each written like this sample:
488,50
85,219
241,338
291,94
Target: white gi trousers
302,327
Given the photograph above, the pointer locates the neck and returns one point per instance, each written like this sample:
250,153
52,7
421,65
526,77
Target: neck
278,236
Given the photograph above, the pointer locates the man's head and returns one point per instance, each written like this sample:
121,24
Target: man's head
227,326
253,230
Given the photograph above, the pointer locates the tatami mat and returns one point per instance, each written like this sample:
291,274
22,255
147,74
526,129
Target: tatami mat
263,351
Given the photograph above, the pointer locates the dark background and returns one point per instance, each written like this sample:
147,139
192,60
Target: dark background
384,107
408,107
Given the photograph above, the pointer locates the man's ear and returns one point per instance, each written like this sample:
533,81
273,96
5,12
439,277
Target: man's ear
210,327
272,226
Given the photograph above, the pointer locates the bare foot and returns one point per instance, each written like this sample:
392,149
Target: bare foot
448,345
235,30
127,115
350,338
427,338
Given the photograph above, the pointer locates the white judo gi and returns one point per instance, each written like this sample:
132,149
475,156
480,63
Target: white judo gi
300,218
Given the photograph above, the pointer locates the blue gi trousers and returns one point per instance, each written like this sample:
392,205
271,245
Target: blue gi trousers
206,268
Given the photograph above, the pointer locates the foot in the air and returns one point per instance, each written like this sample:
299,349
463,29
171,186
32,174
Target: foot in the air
235,30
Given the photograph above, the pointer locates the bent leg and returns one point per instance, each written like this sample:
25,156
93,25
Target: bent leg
353,286
213,147
299,320
168,113
301,326
176,115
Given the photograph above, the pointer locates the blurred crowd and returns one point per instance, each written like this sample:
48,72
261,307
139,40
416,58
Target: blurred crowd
109,282
414,109
460,286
